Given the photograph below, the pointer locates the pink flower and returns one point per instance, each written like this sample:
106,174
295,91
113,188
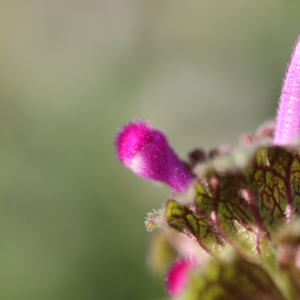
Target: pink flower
177,277
147,153
288,117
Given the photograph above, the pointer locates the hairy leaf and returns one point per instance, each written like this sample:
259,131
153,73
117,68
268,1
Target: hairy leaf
269,179
231,201
236,279
201,229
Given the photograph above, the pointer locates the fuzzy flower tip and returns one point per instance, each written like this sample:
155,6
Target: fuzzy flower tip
177,277
147,153
288,116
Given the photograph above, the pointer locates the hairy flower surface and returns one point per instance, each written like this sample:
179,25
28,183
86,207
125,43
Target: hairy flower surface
288,118
242,208
147,153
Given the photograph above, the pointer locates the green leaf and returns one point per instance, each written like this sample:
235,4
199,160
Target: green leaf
227,196
295,182
167,245
287,241
201,229
162,252
268,177
236,279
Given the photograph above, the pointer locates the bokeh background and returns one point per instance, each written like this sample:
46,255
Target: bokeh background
73,72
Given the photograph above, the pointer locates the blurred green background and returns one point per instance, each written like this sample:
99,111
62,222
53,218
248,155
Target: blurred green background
73,72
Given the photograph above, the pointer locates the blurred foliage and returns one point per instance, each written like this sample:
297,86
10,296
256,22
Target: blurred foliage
71,73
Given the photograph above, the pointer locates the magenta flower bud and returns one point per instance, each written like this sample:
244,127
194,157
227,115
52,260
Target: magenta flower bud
177,277
147,153
288,116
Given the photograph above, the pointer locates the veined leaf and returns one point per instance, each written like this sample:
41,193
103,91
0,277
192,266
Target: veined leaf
201,229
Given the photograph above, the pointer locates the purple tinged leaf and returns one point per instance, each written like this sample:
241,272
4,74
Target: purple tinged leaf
147,153
235,279
288,117
200,228
268,177
227,197
295,182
